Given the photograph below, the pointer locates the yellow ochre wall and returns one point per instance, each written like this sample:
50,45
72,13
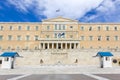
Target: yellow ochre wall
76,32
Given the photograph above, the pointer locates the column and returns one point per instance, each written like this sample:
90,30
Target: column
70,45
61,45
48,45
40,46
65,45
74,45
52,45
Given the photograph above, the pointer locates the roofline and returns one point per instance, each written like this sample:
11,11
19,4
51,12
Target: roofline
41,23
59,17
22,22
84,23
97,23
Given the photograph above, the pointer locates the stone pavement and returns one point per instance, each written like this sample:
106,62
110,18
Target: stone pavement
60,69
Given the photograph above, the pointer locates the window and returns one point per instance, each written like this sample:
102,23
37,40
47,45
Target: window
1,28
18,37
19,27
9,48
82,47
11,28
99,47
90,28
0,48
116,38
1,37
91,47
36,48
55,26
82,38
36,37
99,38
48,27
115,28
6,59
36,28
28,28
99,28
71,36
17,48
47,36
90,38
27,48
107,28
107,38
116,47
108,47
27,37
59,26
82,28
107,58
9,37
63,27
55,35
71,26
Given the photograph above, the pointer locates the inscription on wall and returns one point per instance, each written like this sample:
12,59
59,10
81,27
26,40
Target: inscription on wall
57,53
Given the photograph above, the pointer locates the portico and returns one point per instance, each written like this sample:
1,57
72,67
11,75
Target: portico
59,45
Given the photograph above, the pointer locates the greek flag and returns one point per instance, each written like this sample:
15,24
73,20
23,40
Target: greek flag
58,10
62,34
59,34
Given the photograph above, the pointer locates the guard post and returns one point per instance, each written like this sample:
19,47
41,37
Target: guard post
8,59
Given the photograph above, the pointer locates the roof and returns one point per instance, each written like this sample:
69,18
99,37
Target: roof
59,19
9,54
104,54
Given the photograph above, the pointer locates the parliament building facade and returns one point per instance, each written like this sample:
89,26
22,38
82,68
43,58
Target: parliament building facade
59,41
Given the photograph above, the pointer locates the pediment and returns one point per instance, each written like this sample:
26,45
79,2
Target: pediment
59,19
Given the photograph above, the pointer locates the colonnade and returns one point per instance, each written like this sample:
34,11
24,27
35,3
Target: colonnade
58,45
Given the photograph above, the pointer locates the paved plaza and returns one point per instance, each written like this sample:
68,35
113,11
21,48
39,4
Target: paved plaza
60,72
61,77
60,69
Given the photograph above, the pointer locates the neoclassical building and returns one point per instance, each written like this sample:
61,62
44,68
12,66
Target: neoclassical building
59,40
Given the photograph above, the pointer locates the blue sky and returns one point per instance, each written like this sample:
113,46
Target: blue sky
82,10
9,13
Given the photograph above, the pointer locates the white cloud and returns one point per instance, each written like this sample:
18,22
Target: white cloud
22,5
108,11
68,8
107,6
